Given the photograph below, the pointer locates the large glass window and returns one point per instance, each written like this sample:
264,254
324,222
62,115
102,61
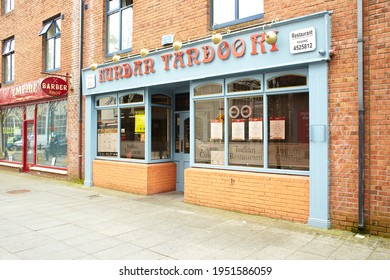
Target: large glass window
246,131
8,5
133,133
228,12
288,131
264,129
9,61
51,31
52,148
161,133
11,120
209,131
119,25
107,133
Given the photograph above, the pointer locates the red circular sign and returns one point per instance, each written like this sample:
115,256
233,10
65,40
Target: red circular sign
54,86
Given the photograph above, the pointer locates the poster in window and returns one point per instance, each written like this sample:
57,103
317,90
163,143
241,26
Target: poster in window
255,129
277,128
139,123
238,129
107,142
216,132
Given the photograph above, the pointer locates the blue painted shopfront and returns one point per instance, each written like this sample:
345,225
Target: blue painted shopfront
240,55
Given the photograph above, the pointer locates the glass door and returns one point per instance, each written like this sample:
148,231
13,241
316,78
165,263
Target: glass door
182,147
28,145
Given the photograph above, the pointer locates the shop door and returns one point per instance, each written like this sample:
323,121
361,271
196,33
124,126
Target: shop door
182,147
28,145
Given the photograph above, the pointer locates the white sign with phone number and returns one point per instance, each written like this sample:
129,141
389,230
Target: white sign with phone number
303,40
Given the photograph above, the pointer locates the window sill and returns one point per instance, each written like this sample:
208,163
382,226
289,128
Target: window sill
49,170
16,165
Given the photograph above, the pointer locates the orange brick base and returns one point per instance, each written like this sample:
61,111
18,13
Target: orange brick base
271,195
137,178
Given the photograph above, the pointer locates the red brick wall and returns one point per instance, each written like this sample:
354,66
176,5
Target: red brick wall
135,178
271,195
24,23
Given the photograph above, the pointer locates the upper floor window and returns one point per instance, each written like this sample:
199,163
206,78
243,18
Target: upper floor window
119,25
228,12
8,58
51,30
8,5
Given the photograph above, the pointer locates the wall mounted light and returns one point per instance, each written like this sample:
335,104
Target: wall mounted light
116,58
217,36
144,52
271,37
177,44
94,66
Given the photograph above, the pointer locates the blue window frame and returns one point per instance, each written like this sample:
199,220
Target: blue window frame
8,58
229,12
51,31
119,18
8,5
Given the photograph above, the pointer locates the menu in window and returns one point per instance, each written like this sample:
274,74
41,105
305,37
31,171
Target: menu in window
238,129
255,129
216,127
277,130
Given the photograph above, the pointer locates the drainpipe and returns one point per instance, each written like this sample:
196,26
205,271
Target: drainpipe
361,113
80,145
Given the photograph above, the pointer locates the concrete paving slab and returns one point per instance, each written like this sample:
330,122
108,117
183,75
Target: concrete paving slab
63,220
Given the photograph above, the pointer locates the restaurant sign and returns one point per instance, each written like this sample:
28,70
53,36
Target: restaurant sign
33,90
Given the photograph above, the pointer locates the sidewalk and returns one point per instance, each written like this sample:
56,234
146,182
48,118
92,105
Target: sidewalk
44,219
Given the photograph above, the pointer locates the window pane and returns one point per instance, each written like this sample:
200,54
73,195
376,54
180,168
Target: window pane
246,131
107,145
160,133
52,148
131,98
224,11
57,55
113,33
127,28
106,101
133,133
11,134
113,4
9,68
58,25
288,130
49,58
209,131
287,81
244,85
50,33
250,8
208,89
8,5
161,99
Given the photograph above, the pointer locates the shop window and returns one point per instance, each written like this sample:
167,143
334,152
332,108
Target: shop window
51,31
131,98
9,60
244,85
51,143
208,89
161,132
11,120
107,132
229,12
265,130
288,131
209,132
106,101
132,138
161,99
119,25
287,81
8,5
246,131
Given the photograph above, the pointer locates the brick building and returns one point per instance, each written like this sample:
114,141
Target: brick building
40,130
245,124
